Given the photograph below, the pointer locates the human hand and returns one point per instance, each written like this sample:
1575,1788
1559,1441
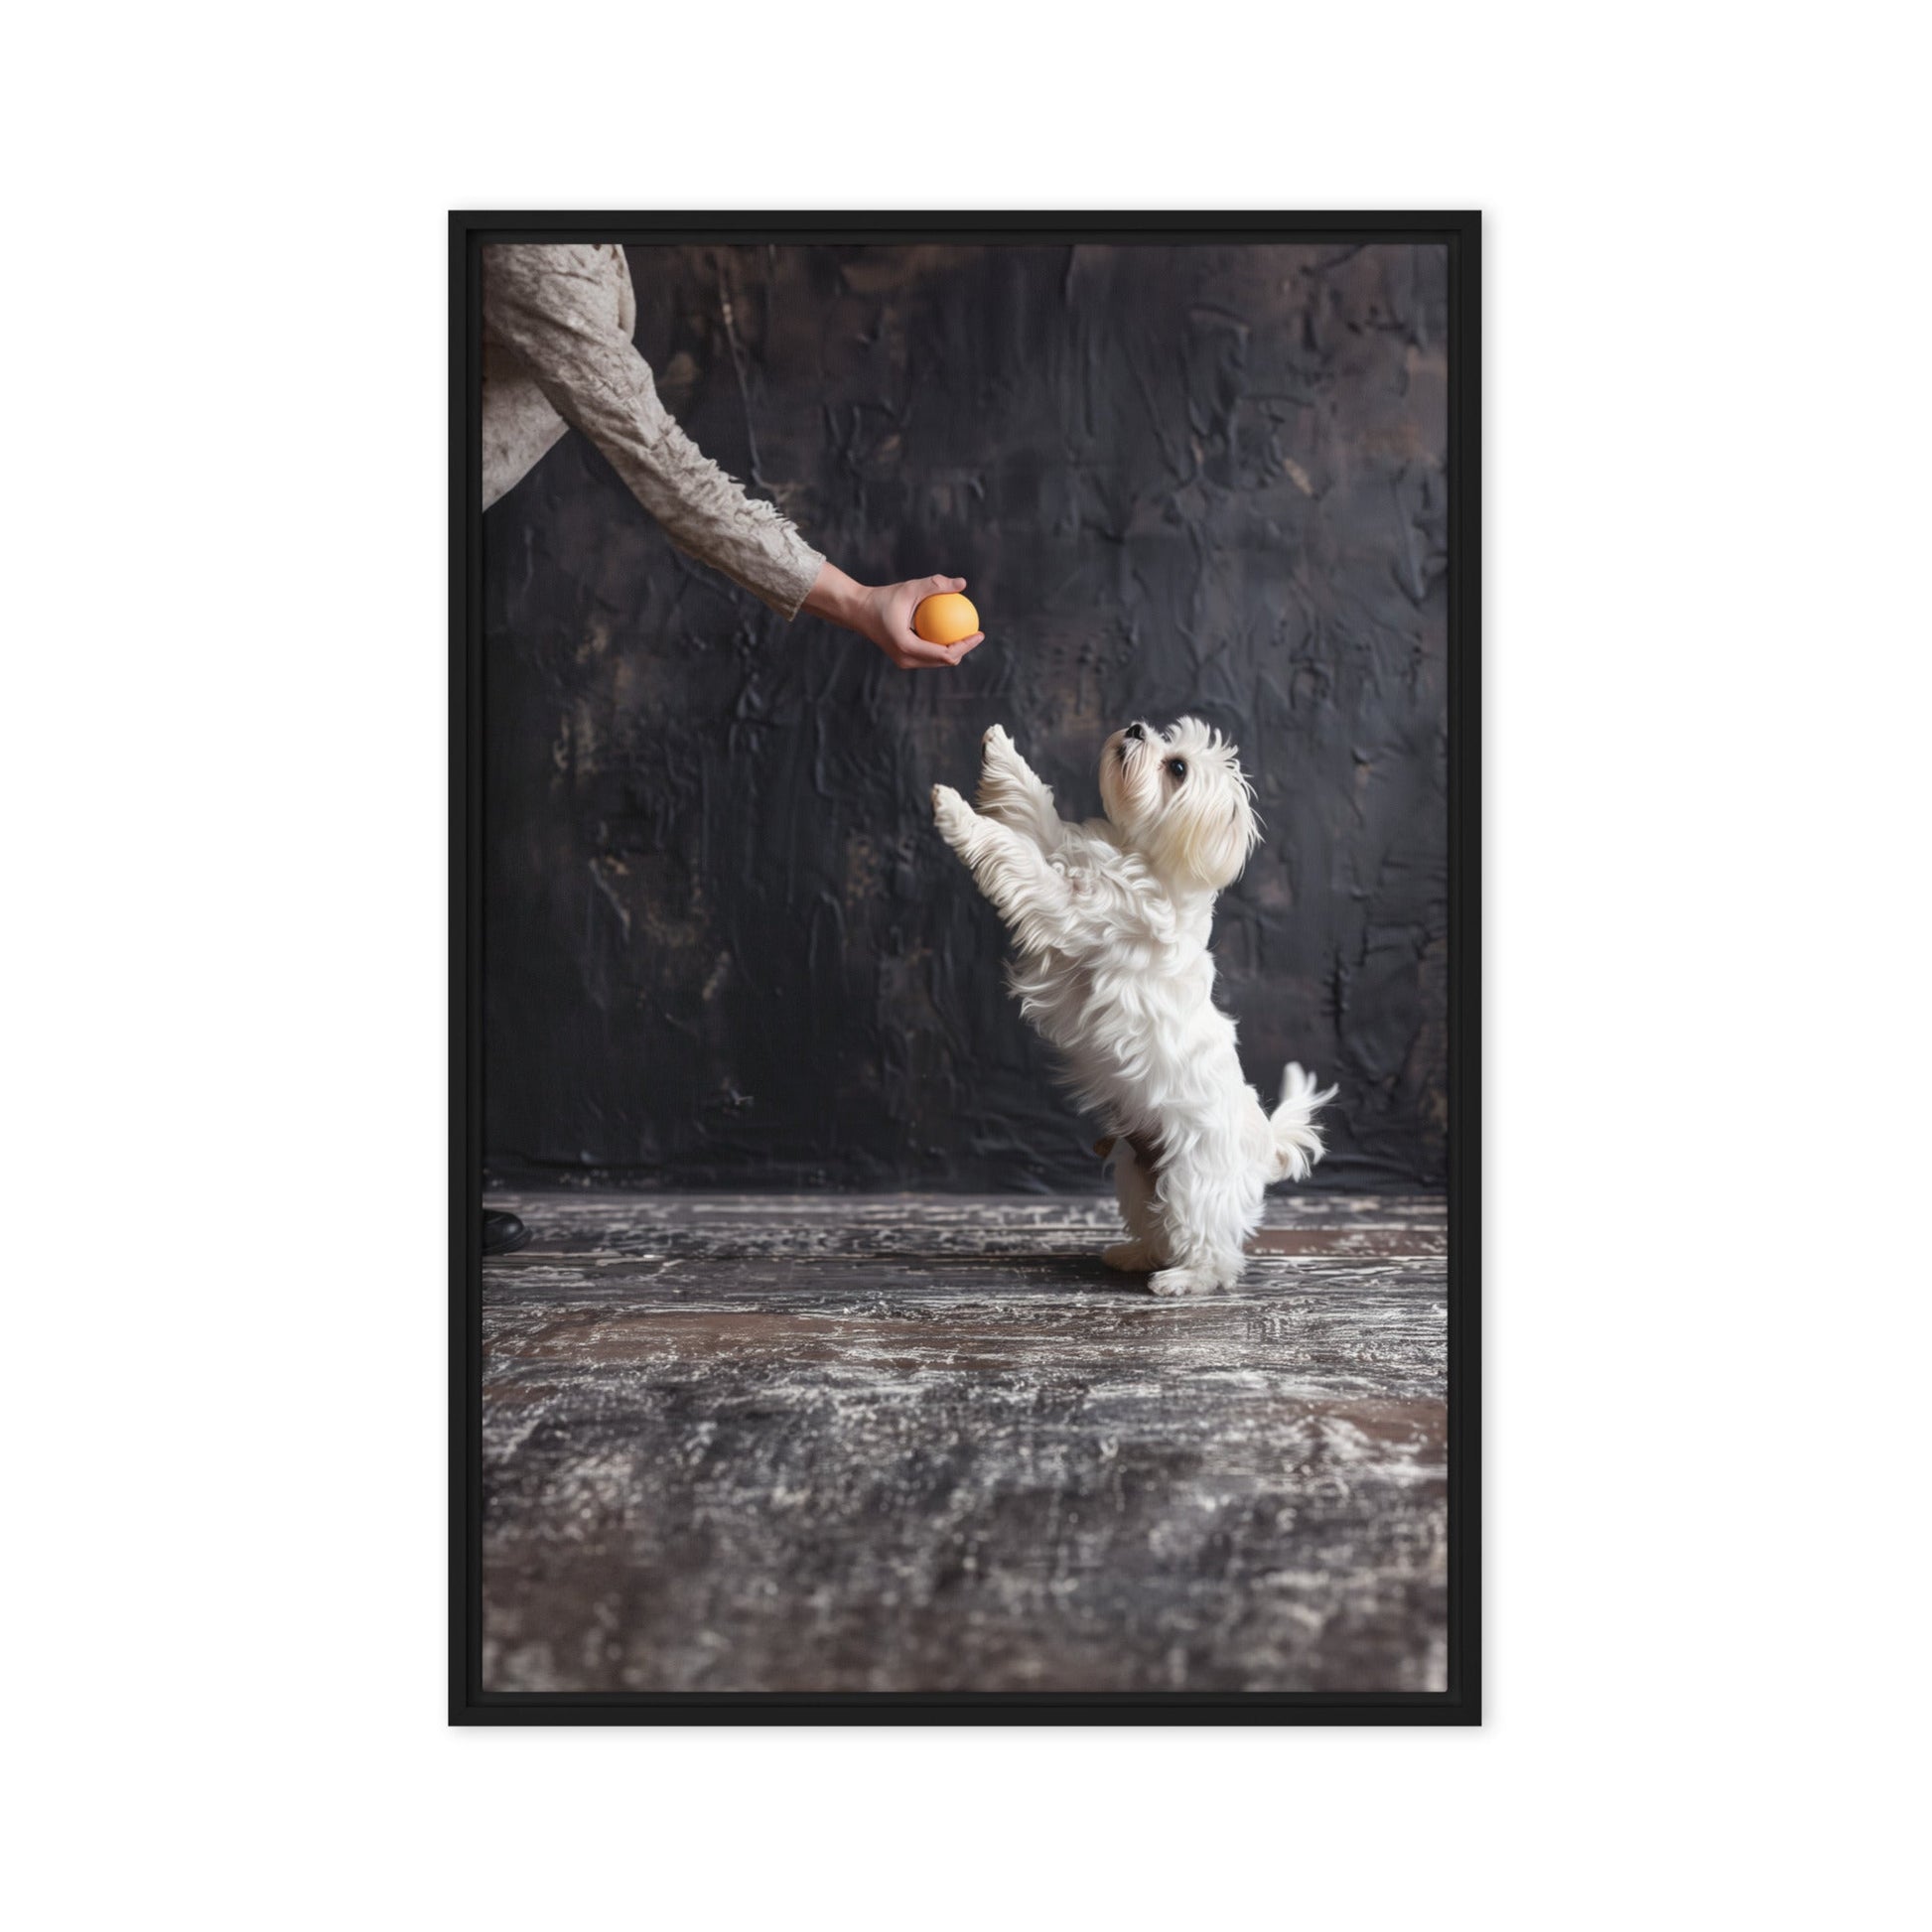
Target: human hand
885,614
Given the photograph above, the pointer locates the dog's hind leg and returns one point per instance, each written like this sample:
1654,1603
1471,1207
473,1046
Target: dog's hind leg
1142,1251
1010,793
1205,1216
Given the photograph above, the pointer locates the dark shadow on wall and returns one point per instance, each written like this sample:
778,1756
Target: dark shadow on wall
723,944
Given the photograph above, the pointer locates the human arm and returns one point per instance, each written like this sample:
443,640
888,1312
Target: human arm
559,311
563,313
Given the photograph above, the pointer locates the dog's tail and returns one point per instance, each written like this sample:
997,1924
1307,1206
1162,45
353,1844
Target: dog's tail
1298,1143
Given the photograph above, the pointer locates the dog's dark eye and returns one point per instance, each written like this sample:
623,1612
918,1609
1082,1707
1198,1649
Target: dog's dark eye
1178,766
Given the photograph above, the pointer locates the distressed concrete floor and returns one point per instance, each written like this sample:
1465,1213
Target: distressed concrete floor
929,1443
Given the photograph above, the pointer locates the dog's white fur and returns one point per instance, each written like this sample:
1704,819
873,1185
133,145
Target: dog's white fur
1111,919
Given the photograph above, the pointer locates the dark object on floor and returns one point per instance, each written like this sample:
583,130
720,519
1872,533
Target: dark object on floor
891,1443
503,1234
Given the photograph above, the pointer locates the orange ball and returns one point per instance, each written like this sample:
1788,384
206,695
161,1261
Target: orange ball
945,619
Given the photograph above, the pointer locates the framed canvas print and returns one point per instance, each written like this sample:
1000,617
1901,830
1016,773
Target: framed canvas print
964,968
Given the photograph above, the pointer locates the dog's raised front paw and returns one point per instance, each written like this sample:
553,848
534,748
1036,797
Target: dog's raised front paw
950,812
1001,765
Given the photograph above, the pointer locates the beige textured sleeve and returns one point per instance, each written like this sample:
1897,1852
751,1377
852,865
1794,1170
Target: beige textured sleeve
558,310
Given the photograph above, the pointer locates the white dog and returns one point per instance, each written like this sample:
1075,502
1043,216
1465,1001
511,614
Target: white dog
1111,919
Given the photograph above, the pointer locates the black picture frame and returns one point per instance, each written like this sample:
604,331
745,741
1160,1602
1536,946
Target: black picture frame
1460,1702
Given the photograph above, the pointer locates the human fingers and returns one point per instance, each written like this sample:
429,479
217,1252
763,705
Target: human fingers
915,654
952,654
904,599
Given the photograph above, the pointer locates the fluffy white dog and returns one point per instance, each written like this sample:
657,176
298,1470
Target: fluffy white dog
1111,919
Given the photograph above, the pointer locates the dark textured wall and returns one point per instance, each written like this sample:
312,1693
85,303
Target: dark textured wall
723,944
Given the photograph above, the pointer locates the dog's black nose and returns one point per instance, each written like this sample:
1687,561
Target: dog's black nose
1137,730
